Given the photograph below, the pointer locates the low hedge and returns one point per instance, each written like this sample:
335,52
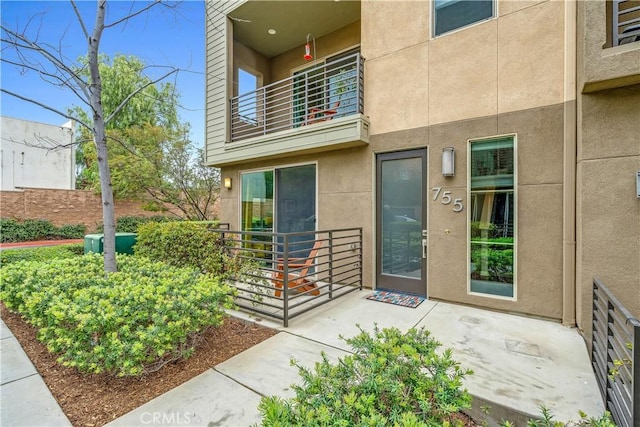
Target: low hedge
125,323
12,230
44,253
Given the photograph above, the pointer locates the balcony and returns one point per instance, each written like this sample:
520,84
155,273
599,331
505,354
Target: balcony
319,94
268,100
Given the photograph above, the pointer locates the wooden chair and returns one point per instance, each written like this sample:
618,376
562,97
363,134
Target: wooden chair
317,115
298,281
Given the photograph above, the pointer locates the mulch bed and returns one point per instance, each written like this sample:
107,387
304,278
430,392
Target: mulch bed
94,400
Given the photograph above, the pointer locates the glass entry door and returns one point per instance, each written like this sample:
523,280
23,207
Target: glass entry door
401,221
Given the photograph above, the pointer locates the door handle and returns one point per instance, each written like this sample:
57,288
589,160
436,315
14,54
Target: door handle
424,248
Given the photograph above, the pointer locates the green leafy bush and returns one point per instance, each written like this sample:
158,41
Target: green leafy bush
130,224
45,253
12,230
125,323
391,379
71,231
184,243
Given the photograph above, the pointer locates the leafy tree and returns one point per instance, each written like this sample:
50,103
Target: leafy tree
150,157
153,109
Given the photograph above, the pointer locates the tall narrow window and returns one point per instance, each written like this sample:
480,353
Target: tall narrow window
492,221
450,15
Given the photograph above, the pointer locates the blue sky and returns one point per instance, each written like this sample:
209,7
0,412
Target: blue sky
160,36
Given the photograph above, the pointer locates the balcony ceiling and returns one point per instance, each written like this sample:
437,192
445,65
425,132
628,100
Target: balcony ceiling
292,20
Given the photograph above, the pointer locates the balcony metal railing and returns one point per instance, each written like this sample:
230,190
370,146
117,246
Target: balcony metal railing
317,94
293,273
615,356
626,21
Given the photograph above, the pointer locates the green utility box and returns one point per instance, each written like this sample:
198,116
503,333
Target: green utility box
124,243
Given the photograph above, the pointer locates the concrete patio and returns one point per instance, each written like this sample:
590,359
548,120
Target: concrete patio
519,363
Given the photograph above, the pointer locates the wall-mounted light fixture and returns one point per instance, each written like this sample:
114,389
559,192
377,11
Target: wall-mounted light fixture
227,183
307,48
448,161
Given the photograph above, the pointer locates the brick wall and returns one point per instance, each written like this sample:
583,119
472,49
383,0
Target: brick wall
62,206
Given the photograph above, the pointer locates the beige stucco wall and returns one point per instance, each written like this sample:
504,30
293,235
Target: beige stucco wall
539,137
510,63
328,45
248,59
608,211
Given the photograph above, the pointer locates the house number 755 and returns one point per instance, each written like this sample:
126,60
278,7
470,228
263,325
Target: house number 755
447,199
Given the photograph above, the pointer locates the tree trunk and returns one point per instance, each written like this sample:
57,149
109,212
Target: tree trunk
100,139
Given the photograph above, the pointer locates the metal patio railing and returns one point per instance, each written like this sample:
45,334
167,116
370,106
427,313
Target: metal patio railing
615,356
292,273
317,94
626,21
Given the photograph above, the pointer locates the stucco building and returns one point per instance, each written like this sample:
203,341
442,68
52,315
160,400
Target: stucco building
37,155
488,149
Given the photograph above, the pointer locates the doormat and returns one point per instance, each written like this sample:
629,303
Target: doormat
398,299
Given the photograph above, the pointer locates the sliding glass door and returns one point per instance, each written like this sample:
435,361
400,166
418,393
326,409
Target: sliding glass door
281,200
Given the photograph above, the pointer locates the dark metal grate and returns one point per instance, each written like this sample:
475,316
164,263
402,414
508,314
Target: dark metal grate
616,346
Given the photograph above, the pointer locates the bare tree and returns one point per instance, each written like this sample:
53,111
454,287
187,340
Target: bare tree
186,182
50,63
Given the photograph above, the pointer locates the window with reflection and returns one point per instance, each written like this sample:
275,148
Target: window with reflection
492,217
450,15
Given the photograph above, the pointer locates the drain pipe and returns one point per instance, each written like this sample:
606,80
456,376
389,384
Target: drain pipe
569,179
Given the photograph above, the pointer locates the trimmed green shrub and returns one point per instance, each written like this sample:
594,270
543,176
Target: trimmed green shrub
125,323
71,231
391,379
183,243
44,253
130,224
12,230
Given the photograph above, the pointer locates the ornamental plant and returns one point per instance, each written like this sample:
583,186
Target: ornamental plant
130,224
126,323
183,243
196,244
390,379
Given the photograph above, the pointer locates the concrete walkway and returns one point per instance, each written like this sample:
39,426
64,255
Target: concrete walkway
519,364
25,400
